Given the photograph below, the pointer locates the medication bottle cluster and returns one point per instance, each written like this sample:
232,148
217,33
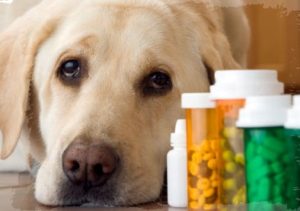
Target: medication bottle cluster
243,143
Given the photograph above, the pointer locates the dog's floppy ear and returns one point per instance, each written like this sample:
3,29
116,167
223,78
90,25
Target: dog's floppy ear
214,45
18,48
218,55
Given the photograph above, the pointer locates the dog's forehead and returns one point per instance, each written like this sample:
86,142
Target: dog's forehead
125,25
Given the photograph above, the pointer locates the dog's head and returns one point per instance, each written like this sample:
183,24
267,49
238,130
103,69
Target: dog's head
98,84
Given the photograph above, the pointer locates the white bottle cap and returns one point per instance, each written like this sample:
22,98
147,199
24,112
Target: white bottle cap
264,111
178,138
196,100
293,115
239,84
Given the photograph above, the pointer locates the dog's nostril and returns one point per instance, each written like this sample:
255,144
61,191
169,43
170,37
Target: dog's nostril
75,166
98,169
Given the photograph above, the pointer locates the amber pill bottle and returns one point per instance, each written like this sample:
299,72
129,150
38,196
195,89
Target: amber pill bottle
202,151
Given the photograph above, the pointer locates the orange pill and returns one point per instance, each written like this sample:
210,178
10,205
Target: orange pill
203,184
214,176
194,205
215,183
193,168
209,192
196,157
209,207
201,201
206,146
212,164
193,193
208,156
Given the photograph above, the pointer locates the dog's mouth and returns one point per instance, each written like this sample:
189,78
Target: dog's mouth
101,196
106,196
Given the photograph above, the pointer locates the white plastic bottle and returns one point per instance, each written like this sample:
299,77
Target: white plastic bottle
177,167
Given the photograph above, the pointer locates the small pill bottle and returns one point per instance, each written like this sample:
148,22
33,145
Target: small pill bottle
176,167
229,93
202,151
292,126
270,173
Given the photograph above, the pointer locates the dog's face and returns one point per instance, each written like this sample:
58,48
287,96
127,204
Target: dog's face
105,94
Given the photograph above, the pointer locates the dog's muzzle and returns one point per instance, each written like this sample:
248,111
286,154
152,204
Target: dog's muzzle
89,164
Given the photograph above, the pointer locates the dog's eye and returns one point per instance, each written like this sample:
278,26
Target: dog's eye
70,70
157,83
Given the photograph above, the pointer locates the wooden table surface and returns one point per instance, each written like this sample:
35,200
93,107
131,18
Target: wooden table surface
16,193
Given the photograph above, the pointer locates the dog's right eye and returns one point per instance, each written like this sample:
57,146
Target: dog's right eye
70,70
157,83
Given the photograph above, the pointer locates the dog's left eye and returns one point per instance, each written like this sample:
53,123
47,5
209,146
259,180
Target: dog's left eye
70,70
157,83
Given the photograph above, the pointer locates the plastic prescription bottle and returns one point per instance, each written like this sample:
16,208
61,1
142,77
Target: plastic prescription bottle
229,92
292,126
202,151
176,167
270,173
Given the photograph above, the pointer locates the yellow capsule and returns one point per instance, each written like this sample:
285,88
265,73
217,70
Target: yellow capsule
196,157
208,156
203,184
193,168
193,193
230,132
209,192
242,195
239,158
229,184
194,205
242,190
230,167
243,198
224,143
212,164
235,200
228,155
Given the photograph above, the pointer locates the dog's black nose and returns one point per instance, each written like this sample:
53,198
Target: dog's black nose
89,164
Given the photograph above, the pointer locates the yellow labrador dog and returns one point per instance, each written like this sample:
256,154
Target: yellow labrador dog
92,88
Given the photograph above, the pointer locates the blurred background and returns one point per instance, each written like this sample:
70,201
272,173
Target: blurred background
275,43
275,38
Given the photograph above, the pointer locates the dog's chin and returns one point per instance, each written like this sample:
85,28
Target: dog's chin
102,196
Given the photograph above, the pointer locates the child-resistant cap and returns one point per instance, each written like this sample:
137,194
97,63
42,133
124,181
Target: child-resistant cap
196,100
239,84
178,138
264,111
293,115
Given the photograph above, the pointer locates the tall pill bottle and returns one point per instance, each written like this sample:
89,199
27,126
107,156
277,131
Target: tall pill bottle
270,172
292,126
229,93
202,151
